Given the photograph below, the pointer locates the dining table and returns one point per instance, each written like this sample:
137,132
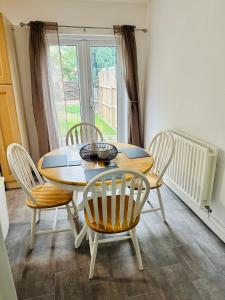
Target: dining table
72,176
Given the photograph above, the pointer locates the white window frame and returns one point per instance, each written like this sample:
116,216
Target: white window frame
83,43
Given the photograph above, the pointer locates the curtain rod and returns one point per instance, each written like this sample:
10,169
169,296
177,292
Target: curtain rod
83,27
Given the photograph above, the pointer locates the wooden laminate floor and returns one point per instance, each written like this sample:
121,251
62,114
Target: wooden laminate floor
182,260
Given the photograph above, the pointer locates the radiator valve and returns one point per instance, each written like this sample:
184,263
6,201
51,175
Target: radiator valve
209,210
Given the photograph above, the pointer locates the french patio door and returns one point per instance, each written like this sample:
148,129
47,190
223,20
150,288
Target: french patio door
89,88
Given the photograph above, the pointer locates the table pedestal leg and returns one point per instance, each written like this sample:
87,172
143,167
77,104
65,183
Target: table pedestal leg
81,236
75,215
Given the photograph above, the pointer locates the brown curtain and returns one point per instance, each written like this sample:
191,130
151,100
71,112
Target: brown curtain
43,107
126,45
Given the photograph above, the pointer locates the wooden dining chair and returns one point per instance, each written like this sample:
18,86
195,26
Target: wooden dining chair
40,195
83,133
161,149
111,208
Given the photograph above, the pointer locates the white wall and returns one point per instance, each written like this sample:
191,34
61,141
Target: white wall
73,12
186,76
69,12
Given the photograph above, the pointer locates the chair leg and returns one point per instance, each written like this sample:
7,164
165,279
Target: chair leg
75,209
33,227
89,234
75,195
137,248
55,219
161,205
93,257
149,198
75,215
38,218
131,235
70,217
81,236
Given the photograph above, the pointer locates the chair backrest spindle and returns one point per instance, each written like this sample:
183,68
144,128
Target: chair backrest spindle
83,133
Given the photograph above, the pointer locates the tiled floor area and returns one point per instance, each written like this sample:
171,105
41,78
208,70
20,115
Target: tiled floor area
182,260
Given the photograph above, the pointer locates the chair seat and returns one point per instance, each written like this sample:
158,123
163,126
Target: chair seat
109,228
48,196
153,180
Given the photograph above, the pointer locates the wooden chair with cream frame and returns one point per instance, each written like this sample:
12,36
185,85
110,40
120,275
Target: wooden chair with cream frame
110,208
161,149
83,133
41,195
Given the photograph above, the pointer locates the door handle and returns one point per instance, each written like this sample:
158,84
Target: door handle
93,103
90,102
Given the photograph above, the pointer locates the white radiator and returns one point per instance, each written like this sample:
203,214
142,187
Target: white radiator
192,169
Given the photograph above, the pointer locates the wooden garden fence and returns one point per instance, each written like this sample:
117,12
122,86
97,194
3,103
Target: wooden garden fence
106,95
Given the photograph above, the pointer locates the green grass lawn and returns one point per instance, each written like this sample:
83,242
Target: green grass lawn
73,117
73,109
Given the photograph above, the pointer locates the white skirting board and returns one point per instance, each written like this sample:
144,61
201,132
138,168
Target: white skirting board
209,219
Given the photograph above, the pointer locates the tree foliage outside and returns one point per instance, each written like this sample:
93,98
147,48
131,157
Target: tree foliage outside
69,61
101,57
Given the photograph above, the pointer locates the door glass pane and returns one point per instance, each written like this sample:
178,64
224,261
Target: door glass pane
104,89
66,87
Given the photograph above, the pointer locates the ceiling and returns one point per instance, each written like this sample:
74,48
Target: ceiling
119,1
